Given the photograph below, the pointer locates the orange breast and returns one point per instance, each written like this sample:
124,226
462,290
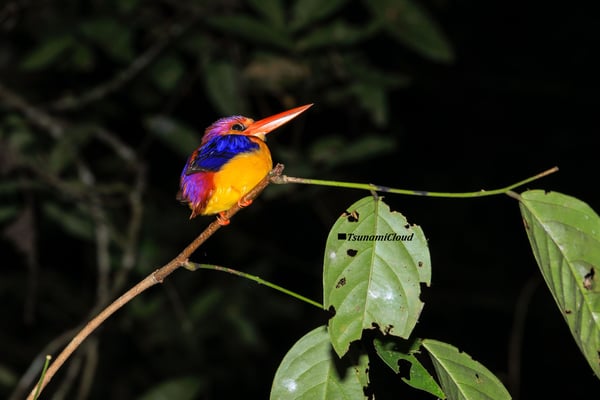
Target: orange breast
238,177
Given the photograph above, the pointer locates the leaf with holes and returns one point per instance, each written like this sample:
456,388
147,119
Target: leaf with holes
375,262
311,370
564,234
418,377
460,376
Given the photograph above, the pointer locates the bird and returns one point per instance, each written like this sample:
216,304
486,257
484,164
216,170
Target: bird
232,158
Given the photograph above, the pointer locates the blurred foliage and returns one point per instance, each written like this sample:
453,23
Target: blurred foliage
100,104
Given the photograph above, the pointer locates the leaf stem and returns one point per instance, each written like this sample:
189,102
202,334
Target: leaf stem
195,266
38,387
283,179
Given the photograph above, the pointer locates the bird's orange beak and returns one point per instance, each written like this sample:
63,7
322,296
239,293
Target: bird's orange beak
266,125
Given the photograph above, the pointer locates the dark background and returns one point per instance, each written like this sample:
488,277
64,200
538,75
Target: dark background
468,95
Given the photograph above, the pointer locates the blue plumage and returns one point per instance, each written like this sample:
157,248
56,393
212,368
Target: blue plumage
218,151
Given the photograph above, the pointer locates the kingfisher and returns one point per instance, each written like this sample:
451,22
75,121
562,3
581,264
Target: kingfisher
232,158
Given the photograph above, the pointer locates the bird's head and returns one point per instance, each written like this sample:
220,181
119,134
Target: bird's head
240,125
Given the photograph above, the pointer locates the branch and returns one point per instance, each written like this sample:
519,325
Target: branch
283,179
42,120
56,127
155,277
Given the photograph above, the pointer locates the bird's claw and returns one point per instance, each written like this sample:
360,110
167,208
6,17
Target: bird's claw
244,202
222,219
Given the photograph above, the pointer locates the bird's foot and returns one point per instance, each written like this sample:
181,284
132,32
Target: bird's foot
222,219
244,202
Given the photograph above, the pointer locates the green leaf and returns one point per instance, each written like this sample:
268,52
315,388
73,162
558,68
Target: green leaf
310,370
337,33
20,137
204,303
374,264
564,234
184,388
61,154
142,308
335,150
369,86
252,30
65,151
373,99
126,6
272,10
166,72
47,52
8,187
419,377
114,38
410,24
223,88
7,211
364,71
460,376
72,221
197,45
8,376
306,12
82,57
180,138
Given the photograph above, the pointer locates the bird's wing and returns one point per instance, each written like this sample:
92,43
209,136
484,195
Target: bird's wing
217,152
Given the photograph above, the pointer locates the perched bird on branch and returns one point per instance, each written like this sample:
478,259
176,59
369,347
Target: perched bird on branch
232,158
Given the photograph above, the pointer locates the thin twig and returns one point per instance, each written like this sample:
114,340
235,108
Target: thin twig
33,369
130,244
195,266
42,120
155,277
56,127
111,140
38,388
385,189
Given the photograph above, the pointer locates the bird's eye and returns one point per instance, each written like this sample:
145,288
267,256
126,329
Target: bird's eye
238,127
